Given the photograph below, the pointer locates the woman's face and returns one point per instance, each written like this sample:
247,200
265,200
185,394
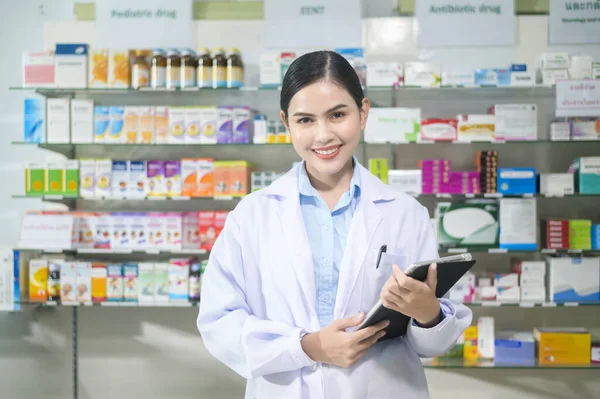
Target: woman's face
325,124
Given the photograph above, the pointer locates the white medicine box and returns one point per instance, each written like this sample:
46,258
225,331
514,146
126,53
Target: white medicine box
57,120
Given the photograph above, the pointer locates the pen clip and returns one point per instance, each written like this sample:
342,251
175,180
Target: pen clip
381,251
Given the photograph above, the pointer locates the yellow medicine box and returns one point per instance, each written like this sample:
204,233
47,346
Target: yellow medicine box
470,346
558,346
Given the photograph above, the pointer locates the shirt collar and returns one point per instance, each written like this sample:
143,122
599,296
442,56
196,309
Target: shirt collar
306,189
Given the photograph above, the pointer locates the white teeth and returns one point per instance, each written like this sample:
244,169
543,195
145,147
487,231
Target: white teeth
327,152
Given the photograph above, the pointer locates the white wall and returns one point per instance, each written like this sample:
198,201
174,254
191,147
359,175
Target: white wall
157,353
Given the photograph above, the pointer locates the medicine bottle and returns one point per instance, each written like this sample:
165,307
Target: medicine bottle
204,72
219,69
173,80
158,69
188,68
235,69
140,72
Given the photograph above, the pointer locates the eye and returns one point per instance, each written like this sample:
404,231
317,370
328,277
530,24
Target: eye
304,120
337,115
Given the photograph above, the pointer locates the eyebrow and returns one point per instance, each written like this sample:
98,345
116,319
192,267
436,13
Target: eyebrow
339,106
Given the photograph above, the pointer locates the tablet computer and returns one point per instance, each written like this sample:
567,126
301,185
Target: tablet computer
449,270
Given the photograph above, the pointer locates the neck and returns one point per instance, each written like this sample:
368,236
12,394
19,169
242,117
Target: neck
338,182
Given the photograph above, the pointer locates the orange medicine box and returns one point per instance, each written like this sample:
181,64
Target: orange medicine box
239,177
197,177
206,229
563,346
99,282
221,179
38,280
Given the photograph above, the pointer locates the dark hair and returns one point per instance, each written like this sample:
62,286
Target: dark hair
318,66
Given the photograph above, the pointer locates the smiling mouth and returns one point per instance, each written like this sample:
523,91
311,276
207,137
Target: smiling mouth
327,150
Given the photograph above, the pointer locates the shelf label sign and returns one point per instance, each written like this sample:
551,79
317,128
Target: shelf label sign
574,22
577,98
46,231
144,24
312,24
465,23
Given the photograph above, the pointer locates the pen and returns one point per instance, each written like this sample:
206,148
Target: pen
381,251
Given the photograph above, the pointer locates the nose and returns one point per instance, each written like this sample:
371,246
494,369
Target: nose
323,133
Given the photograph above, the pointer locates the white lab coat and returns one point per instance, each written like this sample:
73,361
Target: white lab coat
258,296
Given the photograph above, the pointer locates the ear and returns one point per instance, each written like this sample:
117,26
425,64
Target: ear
283,120
364,112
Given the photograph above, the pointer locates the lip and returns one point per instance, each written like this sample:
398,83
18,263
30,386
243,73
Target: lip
328,156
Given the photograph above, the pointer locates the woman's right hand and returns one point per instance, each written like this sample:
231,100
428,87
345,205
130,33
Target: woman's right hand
333,345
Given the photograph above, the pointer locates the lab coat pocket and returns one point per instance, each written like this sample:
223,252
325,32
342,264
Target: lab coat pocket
375,278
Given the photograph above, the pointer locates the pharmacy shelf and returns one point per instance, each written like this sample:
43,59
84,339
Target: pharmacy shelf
49,91
505,250
102,251
498,195
69,199
495,304
183,304
460,363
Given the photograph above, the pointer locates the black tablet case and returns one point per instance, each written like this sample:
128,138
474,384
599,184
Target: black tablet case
448,274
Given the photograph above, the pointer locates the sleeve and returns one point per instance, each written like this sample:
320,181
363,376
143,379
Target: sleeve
437,340
250,346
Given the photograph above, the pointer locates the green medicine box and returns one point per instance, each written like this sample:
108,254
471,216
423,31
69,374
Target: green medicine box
379,167
71,178
34,179
54,178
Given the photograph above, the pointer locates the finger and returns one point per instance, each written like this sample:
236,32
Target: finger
396,306
368,332
404,281
389,297
392,286
348,322
432,277
367,343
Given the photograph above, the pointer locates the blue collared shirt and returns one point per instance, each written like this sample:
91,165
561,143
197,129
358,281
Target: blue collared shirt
327,234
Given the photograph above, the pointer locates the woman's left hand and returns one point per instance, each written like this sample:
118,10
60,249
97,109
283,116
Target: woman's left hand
412,297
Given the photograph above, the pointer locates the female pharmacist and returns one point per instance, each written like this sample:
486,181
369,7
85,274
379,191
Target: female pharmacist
294,269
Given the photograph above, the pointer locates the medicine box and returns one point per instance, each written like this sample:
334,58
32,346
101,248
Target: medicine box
35,173
225,125
118,68
98,68
438,130
146,127
588,175
120,179
476,127
243,118
485,337
116,131
516,122
422,74
208,120
155,182
563,346
38,280
114,283
131,124
82,121
101,124
596,236
57,120
161,283
99,282
586,129
533,294
136,188
574,279
130,282
517,181
529,268
103,178
384,74
172,178
517,348
71,66
467,224
179,270
161,125
177,125
458,79
557,184
270,70
54,178
34,127
393,125
146,283
470,351
84,282
506,280
38,69
68,282
379,168
406,181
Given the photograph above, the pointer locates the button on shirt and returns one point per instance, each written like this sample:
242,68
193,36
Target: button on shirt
327,234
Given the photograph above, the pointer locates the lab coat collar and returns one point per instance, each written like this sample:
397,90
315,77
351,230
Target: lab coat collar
372,189
365,222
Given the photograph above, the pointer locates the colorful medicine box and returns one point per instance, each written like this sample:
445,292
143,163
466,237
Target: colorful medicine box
517,181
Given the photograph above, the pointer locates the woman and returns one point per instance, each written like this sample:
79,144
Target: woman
293,271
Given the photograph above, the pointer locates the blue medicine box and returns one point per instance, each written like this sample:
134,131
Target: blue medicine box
596,236
517,352
34,130
517,181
